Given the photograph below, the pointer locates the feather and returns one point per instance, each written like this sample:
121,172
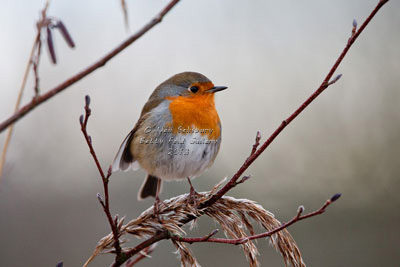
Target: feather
124,160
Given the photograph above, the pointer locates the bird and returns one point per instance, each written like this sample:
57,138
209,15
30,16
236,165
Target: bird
177,136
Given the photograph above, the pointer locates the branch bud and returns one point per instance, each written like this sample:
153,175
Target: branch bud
50,45
64,32
334,79
337,77
245,178
300,209
214,232
81,119
100,198
109,171
354,23
87,100
335,197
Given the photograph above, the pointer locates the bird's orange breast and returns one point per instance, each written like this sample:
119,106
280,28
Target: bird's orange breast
195,111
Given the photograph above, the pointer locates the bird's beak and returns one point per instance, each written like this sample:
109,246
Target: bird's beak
217,89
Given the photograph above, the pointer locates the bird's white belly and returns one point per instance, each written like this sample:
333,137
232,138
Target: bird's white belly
188,155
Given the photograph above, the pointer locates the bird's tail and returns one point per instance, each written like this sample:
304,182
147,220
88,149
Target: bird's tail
149,187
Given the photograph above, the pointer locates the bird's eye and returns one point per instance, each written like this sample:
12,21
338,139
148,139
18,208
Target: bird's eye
194,89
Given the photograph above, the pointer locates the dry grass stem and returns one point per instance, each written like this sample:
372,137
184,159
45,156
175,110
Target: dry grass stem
22,88
233,215
125,13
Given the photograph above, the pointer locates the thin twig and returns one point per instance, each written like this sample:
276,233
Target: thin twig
244,179
325,84
77,77
143,254
239,241
124,8
191,240
105,179
35,63
256,143
148,242
21,91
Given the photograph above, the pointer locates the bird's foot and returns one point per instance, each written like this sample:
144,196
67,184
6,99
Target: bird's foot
193,195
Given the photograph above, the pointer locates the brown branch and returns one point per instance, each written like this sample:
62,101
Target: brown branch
239,241
105,179
325,84
191,240
256,143
35,62
233,181
148,242
143,254
101,62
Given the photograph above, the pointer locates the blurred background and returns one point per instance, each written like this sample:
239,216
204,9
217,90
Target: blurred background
272,55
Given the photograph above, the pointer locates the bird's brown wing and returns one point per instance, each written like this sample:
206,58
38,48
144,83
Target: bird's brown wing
124,160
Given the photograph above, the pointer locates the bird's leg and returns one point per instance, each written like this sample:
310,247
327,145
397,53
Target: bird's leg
193,194
157,201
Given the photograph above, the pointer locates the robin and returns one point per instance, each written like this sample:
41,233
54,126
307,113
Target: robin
177,136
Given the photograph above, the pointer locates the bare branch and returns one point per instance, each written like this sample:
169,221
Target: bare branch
132,252
256,143
191,240
104,203
36,74
143,254
238,241
325,84
77,77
